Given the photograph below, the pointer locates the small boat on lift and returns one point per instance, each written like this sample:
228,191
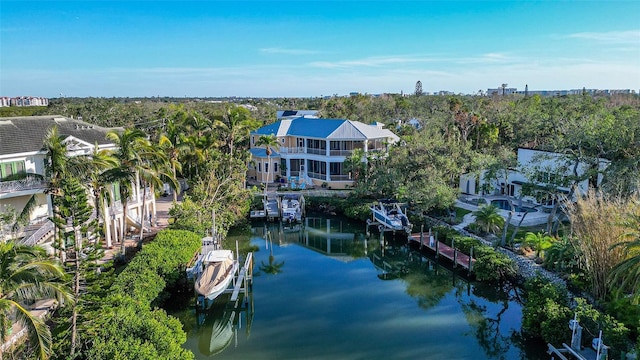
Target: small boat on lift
218,267
388,214
292,206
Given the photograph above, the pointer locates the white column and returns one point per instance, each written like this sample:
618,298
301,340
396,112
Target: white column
327,151
327,176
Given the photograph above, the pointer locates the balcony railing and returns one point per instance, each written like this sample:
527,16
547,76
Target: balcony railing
317,175
29,183
340,178
341,152
317,151
291,150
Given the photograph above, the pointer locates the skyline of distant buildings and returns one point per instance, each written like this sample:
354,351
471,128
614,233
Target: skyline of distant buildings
7,101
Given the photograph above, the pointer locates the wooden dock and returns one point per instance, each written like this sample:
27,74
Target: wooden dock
441,249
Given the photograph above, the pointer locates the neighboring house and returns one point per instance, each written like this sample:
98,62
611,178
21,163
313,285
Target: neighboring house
21,143
551,168
292,114
313,150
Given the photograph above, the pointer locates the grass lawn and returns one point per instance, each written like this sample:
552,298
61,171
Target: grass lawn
460,213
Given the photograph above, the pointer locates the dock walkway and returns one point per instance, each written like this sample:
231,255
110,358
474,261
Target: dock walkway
441,249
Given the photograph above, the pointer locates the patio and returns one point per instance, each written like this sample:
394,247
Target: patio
540,216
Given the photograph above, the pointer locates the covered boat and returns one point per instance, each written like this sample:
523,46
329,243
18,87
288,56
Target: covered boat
218,270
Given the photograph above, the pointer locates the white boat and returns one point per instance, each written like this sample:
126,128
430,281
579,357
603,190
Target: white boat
389,214
292,208
218,268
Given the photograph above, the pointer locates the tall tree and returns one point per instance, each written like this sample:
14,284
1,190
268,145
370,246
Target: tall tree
270,142
131,144
235,124
76,213
58,165
173,143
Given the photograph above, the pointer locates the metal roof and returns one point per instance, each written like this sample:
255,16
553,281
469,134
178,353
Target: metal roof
262,153
338,129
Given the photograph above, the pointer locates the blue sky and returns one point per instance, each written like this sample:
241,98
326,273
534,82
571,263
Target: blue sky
308,48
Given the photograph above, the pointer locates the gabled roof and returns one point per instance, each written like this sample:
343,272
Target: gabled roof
337,129
26,134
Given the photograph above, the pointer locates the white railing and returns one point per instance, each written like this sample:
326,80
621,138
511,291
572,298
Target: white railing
341,152
39,234
317,151
28,183
291,150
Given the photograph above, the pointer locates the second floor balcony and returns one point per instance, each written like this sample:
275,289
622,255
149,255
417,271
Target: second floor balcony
29,183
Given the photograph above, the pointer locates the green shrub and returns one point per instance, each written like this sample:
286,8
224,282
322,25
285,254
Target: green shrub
543,306
157,265
494,266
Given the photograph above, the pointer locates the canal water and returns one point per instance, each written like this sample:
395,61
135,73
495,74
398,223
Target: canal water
322,290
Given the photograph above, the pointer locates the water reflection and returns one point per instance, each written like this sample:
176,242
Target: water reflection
218,326
338,294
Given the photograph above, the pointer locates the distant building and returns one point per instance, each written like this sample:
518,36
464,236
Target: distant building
546,93
23,101
292,114
501,91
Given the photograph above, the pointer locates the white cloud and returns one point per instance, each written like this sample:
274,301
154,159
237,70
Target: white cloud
285,51
614,37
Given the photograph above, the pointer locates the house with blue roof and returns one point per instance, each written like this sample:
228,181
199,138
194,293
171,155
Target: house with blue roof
312,151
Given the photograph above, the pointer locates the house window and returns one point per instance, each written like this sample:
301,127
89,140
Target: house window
259,167
266,167
11,168
275,167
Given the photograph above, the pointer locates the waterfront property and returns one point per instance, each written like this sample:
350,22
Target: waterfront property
22,176
537,172
312,152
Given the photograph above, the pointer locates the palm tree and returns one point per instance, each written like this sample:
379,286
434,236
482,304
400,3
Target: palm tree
488,219
541,241
235,124
173,143
26,275
154,170
268,141
131,143
626,274
58,165
100,161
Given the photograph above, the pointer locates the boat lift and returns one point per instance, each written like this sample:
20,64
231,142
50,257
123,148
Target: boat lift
242,281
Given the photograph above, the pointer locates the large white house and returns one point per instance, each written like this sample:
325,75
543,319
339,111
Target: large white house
313,150
21,151
552,169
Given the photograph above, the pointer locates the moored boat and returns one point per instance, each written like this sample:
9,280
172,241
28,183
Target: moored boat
218,268
389,214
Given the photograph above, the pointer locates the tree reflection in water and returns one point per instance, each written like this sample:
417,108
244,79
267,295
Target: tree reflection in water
272,267
429,283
